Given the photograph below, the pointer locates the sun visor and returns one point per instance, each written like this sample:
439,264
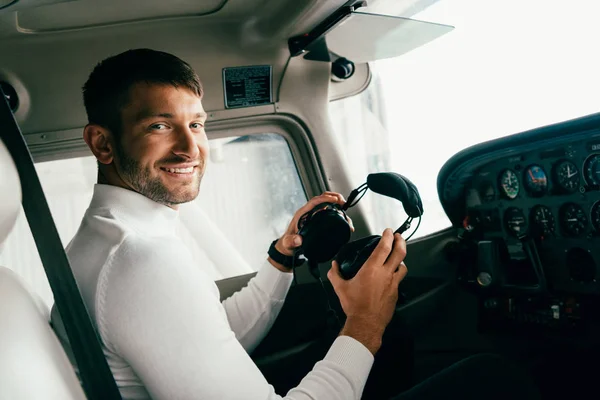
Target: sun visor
364,37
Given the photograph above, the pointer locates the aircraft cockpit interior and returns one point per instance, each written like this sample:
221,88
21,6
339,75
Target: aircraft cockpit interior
235,139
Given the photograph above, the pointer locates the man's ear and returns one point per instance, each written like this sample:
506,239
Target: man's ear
99,140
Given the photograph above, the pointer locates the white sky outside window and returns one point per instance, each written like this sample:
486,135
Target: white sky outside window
508,66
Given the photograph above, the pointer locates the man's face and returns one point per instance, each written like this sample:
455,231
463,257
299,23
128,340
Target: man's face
163,146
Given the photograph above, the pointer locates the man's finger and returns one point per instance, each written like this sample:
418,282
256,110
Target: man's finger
327,197
398,253
315,201
334,275
400,274
350,223
339,196
330,197
383,249
292,241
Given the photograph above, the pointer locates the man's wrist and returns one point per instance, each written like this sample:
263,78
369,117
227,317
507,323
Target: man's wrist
279,247
281,259
366,331
280,267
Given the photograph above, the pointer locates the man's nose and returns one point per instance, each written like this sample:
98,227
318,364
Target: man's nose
186,145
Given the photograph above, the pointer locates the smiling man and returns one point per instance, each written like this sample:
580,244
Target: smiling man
154,157
162,326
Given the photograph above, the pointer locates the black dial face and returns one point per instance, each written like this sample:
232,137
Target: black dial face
573,220
567,176
542,220
515,221
509,183
591,169
595,216
535,180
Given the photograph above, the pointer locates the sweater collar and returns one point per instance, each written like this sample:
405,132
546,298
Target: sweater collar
135,209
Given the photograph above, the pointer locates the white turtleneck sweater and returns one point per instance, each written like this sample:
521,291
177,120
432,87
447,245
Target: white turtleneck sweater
163,329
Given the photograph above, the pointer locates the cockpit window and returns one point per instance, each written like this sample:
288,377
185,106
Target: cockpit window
508,66
255,175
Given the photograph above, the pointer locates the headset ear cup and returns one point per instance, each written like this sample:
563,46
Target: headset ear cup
413,199
398,187
324,233
353,255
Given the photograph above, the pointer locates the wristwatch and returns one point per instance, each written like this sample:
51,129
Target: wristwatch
287,261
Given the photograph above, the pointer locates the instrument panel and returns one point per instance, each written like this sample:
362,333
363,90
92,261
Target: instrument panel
549,194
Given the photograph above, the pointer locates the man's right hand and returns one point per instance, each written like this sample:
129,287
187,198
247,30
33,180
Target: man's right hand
369,299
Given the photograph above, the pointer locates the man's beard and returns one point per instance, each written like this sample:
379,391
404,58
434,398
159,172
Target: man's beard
142,182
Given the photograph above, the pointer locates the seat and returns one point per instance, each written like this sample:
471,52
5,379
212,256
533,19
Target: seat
33,364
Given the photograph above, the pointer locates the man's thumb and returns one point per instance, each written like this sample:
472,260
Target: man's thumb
292,241
334,274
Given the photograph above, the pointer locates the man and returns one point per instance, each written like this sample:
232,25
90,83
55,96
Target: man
163,329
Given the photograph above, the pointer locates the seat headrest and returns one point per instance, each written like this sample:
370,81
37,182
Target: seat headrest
10,193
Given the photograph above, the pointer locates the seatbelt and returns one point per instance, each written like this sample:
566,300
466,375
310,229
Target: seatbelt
98,381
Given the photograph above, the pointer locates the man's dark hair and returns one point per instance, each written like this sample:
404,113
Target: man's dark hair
106,91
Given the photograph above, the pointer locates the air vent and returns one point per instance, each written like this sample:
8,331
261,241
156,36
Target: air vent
11,95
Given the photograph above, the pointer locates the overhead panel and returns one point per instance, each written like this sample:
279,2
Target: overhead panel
15,5
90,13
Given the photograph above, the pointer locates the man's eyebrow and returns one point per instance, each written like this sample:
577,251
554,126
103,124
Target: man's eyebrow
145,114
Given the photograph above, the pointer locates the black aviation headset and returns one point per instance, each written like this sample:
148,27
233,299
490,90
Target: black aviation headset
326,232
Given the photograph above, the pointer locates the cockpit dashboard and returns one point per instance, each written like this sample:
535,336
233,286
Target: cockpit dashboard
527,208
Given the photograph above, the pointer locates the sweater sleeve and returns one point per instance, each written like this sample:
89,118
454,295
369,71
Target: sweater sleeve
161,315
252,311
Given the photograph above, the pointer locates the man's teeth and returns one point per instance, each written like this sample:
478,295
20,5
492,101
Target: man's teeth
179,170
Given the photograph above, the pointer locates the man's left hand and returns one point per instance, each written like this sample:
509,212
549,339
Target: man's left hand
290,240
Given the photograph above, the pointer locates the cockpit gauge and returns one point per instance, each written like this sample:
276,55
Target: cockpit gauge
515,221
595,216
535,180
591,170
542,220
573,220
509,183
567,176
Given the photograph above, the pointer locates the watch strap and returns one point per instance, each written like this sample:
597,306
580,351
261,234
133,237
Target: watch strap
286,261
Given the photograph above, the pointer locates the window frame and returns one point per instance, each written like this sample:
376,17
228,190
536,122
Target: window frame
361,213
69,143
